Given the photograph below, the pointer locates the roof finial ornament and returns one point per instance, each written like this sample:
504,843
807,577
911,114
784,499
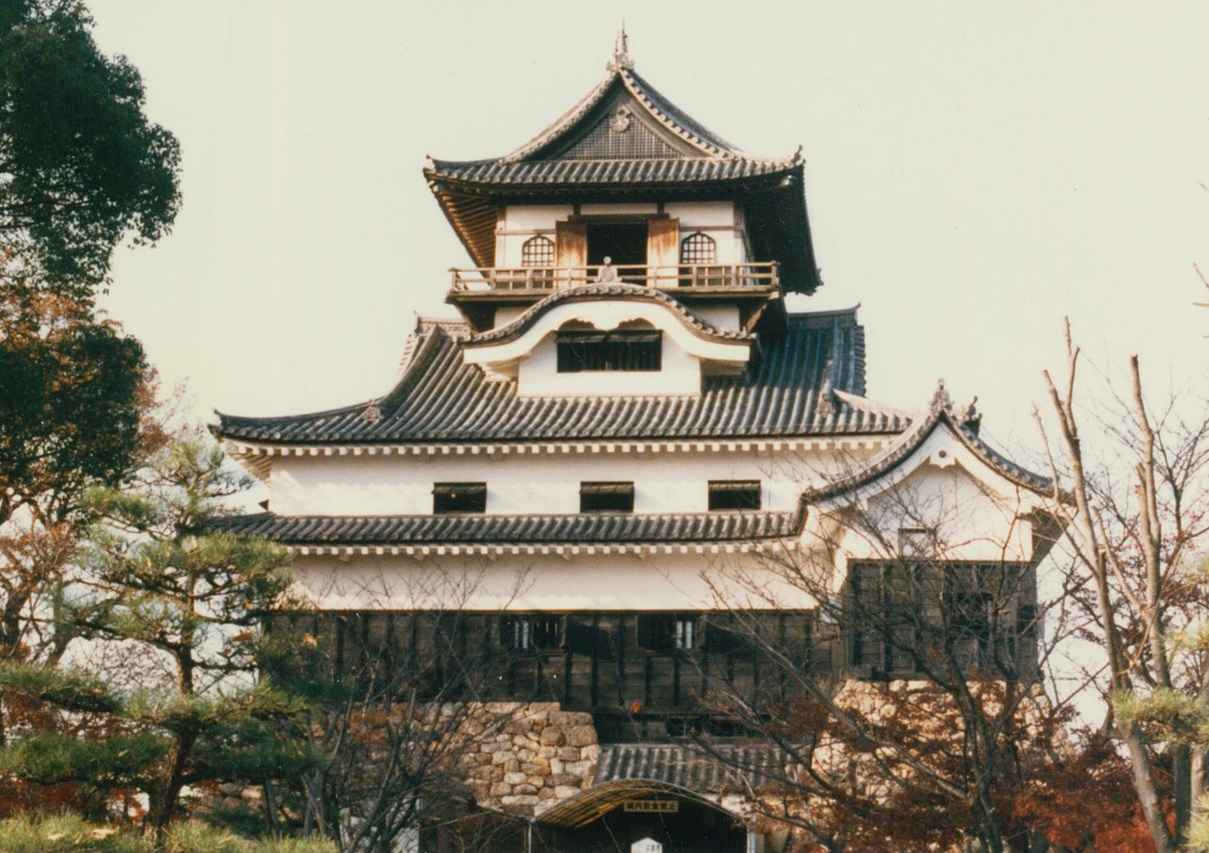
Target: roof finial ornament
621,52
972,419
826,405
941,399
371,413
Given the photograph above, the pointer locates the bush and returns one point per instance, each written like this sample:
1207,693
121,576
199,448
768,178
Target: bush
68,833
63,833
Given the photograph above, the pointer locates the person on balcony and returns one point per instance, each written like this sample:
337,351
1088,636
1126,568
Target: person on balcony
607,273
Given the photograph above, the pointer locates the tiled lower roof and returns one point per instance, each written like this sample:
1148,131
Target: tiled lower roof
729,767
442,399
581,528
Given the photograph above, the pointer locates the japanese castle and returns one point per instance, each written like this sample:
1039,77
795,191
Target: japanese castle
593,483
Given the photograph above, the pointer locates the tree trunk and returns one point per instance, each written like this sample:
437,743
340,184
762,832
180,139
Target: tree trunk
1181,760
1147,791
163,797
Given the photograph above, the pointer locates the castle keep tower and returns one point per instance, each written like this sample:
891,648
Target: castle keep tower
598,473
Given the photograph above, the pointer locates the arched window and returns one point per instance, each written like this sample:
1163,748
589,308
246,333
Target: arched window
537,252
698,248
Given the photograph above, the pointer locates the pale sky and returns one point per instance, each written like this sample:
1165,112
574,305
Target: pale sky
974,172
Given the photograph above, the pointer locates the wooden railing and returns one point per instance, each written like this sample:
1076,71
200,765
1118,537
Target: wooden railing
547,279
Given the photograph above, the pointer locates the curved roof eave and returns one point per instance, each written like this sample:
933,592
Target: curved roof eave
940,415
598,800
414,355
631,529
593,292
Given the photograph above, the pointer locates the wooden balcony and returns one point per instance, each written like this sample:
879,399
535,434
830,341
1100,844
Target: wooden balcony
541,281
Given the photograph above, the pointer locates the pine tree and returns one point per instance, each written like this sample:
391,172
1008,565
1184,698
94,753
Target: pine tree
183,605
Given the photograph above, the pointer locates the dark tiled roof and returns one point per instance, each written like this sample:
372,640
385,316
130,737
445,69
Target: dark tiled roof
940,414
663,155
605,291
441,399
730,767
558,155
625,80
602,172
582,528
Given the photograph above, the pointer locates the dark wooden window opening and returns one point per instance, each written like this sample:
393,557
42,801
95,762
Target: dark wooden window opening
459,497
620,349
532,633
668,632
606,497
734,495
623,243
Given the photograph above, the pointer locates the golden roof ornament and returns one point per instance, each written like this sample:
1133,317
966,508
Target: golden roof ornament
621,53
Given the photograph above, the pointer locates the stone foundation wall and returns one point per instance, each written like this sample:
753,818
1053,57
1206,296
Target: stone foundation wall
541,756
519,757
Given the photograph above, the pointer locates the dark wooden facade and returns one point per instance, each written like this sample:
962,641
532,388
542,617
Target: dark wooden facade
915,618
654,675
643,675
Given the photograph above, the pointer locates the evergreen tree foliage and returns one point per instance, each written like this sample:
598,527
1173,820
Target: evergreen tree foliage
80,165
76,412
183,605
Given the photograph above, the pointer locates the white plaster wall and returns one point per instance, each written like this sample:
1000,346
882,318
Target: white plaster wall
680,373
546,483
701,214
719,316
535,217
505,314
520,223
637,209
719,219
971,521
545,582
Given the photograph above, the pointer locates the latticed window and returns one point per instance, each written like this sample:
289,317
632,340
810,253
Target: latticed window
665,632
531,633
620,349
537,252
698,248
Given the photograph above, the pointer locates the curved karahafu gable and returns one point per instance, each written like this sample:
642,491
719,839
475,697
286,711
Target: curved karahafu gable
607,307
598,293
